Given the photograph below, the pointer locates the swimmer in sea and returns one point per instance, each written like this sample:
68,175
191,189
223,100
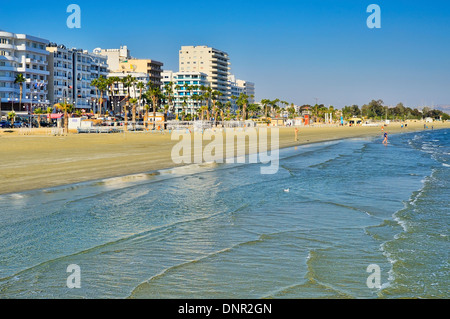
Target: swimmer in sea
385,138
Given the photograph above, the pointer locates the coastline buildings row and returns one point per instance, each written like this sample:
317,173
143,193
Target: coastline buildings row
203,66
54,73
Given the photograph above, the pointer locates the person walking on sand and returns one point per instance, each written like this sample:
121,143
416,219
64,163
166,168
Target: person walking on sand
296,134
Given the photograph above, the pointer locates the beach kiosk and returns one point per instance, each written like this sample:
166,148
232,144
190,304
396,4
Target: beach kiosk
306,113
355,121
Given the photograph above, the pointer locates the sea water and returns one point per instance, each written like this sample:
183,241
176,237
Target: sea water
226,231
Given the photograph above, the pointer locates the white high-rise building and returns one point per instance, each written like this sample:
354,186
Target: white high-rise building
87,67
214,63
71,74
23,54
248,89
239,87
61,70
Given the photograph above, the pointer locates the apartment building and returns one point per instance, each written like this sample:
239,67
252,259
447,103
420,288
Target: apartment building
88,67
248,89
151,67
120,60
115,57
214,63
71,74
186,85
60,66
27,55
239,87
121,92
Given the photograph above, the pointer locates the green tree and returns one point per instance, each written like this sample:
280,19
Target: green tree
38,111
101,84
133,103
49,111
128,82
154,94
12,117
266,105
66,108
141,87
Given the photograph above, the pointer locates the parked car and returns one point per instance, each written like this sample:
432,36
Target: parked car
5,124
19,124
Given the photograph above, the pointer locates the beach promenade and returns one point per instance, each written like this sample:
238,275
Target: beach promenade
42,161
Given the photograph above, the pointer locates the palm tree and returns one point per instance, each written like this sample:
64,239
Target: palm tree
203,109
111,82
219,108
20,79
133,103
66,108
101,84
168,94
242,101
147,108
12,116
39,112
207,97
49,111
128,82
214,98
140,86
273,105
154,93
185,104
265,103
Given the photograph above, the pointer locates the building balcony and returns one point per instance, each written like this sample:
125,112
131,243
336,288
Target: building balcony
8,68
7,46
23,47
40,62
7,78
9,89
33,71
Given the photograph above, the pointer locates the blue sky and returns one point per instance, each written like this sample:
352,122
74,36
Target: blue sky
293,50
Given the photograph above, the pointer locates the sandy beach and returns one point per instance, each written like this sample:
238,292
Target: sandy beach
42,161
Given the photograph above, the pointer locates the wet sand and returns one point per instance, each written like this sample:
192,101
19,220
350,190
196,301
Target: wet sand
38,161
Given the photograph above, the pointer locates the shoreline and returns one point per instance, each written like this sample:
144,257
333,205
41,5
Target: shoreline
36,162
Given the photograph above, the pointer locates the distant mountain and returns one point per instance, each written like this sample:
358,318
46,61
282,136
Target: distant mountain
443,108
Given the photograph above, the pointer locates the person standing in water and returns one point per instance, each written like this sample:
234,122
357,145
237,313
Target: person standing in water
385,138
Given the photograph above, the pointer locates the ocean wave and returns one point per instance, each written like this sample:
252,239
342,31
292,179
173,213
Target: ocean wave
116,242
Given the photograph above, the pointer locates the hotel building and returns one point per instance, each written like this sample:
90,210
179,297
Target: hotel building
71,74
23,54
214,63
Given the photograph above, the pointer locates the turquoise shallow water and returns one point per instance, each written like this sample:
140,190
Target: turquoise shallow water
226,231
